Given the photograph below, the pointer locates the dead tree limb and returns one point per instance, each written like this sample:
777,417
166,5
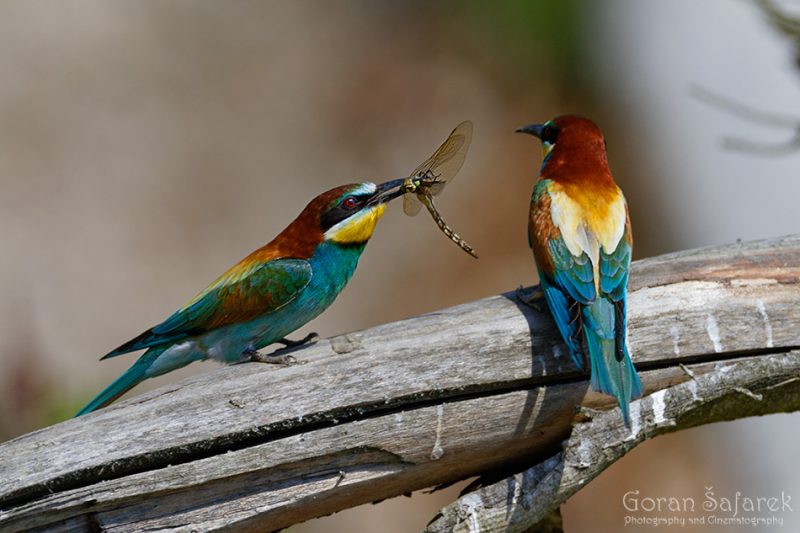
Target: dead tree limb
719,391
433,399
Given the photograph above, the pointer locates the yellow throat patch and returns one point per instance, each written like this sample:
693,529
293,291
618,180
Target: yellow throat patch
358,228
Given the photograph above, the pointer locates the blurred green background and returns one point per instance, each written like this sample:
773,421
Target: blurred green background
147,146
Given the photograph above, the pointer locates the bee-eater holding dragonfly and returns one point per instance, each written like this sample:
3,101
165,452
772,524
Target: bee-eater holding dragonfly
267,295
581,238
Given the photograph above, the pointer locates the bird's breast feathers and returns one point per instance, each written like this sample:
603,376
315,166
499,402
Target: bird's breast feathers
358,228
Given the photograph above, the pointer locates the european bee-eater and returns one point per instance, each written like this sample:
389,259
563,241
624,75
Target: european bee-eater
265,296
580,233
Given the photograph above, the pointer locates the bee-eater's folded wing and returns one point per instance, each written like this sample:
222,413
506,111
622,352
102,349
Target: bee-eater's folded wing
573,274
614,270
246,291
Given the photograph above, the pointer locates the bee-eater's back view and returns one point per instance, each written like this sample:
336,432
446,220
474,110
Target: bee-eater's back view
581,238
267,295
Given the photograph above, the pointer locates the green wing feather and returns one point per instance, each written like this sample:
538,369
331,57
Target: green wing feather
572,274
614,270
255,291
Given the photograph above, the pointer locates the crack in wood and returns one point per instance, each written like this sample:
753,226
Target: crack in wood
597,441
457,355
289,427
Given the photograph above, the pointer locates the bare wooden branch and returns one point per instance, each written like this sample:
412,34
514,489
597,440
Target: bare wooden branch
428,400
719,391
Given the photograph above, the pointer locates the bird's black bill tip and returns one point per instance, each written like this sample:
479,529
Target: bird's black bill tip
532,129
388,191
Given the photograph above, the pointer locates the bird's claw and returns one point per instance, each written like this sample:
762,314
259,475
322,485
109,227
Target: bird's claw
275,358
288,343
272,358
281,356
530,299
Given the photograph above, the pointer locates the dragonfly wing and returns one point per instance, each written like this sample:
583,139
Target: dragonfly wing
435,188
411,205
442,166
448,159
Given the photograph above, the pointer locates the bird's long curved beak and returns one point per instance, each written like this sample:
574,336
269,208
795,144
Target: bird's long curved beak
387,191
532,129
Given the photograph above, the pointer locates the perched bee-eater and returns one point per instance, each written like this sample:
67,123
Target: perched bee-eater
580,233
265,296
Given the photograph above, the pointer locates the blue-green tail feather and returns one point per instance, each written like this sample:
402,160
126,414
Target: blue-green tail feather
132,377
565,321
613,372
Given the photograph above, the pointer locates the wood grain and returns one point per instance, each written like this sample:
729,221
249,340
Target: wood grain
479,387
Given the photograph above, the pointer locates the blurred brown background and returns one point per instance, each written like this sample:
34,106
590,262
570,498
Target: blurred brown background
147,146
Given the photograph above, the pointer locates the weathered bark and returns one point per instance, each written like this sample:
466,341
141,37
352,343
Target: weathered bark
718,391
429,400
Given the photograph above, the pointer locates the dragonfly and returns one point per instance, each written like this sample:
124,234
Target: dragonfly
429,179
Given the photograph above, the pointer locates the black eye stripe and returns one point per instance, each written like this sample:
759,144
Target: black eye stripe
549,133
341,211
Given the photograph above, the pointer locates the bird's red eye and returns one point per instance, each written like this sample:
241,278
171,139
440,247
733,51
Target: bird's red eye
350,202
